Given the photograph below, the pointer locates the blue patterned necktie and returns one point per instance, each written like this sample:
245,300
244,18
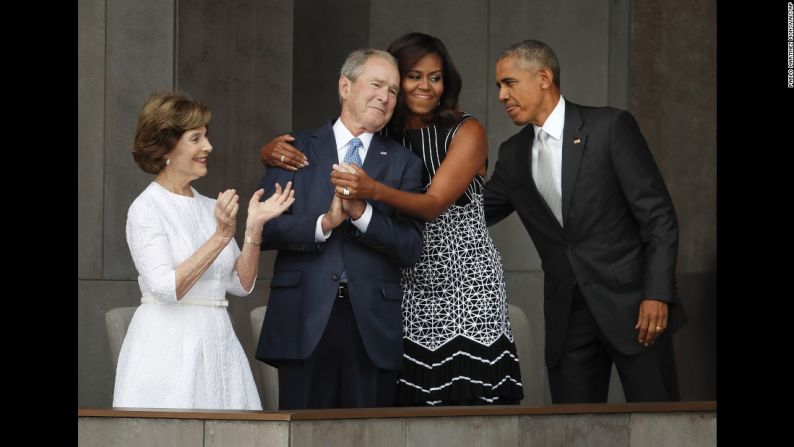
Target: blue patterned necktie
352,156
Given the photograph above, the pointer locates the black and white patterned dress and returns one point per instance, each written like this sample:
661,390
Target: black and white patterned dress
458,345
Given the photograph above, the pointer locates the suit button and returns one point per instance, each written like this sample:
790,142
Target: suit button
335,277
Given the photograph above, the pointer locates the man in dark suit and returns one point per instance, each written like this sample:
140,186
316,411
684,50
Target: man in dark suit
586,187
333,326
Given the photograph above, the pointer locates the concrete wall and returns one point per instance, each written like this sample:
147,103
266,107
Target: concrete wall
673,94
266,67
592,430
324,32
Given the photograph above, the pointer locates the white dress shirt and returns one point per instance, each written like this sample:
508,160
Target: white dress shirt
343,137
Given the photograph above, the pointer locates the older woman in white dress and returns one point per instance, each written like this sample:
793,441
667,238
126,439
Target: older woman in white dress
181,350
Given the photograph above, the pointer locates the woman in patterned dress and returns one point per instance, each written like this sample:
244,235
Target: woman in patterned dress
459,349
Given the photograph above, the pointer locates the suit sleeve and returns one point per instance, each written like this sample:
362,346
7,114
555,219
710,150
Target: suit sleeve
497,201
397,235
289,231
649,200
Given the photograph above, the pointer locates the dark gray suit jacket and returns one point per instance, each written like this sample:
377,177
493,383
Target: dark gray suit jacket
620,237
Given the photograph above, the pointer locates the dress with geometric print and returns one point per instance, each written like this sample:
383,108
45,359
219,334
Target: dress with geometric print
459,349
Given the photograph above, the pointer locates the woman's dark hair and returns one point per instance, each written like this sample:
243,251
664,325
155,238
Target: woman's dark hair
408,50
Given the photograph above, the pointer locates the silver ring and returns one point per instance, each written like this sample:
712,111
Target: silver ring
345,191
282,159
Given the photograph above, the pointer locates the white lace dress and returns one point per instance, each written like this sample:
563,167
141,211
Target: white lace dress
179,355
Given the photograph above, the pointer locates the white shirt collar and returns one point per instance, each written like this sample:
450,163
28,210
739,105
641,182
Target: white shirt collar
555,122
343,136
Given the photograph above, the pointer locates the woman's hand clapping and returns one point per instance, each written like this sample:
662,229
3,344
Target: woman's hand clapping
226,213
261,212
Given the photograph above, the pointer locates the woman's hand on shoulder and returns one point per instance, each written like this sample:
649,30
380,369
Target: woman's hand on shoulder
280,153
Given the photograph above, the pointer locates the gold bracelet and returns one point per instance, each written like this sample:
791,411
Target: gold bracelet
250,241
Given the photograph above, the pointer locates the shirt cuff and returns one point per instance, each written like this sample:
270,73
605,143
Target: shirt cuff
363,222
319,236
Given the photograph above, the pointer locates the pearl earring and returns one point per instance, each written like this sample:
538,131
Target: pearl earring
167,161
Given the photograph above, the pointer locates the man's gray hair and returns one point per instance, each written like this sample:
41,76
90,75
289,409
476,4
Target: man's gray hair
355,61
535,54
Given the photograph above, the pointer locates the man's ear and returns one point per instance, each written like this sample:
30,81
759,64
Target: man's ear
546,77
344,87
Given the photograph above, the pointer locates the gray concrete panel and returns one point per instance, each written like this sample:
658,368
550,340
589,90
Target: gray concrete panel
677,112
525,289
578,32
619,48
459,24
90,136
237,57
673,430
514,244
608,430
348,432
140,45
615,394
246,433
95,370
132,432
325,32
469,431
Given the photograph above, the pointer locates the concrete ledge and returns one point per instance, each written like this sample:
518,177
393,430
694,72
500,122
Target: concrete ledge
402,412
637,424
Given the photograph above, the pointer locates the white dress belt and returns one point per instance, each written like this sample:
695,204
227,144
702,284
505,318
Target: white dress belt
188,301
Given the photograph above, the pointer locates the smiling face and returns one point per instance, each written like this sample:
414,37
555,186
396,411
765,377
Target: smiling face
188,159
422,87
368,101
526,92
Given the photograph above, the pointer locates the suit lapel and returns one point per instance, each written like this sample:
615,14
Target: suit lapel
573,144
380,149
323,149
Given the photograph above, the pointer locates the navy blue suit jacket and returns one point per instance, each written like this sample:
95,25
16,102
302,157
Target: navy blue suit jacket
306,273
619,242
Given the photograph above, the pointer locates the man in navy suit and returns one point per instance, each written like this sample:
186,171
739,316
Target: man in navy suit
333,326
586,187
